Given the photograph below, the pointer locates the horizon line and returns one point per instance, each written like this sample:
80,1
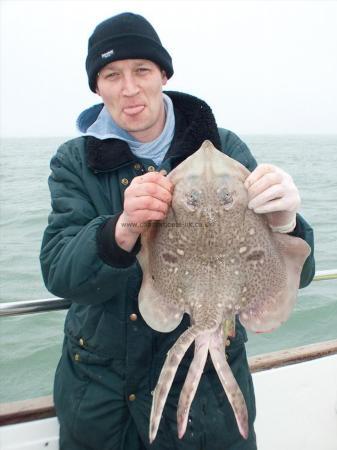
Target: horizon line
271,133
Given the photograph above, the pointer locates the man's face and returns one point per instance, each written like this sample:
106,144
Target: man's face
131,90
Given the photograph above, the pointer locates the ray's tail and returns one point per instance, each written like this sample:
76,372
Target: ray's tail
167,374
192,381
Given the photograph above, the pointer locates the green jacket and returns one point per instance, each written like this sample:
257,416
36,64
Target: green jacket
109,351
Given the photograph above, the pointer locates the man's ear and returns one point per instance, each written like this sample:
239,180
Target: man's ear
163,77
96,88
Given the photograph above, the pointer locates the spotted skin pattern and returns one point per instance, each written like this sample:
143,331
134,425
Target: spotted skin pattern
213,258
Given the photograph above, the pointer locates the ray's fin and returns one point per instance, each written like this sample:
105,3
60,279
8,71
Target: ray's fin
158,313
229,383
192,381
167,374
271,309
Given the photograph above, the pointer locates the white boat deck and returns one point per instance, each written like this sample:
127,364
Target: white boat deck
296,410
297,406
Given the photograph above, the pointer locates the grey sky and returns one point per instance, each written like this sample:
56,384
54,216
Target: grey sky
263,66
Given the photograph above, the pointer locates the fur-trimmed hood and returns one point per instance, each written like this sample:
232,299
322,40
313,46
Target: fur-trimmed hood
195,123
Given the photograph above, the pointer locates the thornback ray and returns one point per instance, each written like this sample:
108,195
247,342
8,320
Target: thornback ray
213,258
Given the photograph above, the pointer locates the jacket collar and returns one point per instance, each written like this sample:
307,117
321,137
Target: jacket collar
195,123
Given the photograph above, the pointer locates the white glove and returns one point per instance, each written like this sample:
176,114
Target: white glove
271,190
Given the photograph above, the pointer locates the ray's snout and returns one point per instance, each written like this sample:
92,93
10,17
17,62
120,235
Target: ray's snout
208,159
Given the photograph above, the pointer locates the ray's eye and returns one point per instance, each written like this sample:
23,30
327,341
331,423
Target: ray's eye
225,197
193,199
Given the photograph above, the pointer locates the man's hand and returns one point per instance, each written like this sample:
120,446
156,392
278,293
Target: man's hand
273,191
147,198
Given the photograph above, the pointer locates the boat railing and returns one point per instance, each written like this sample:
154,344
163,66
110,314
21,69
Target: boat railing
43,407
55,303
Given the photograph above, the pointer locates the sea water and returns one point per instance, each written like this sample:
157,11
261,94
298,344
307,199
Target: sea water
31,345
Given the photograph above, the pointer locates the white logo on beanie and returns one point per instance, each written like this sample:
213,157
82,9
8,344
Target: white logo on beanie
107,54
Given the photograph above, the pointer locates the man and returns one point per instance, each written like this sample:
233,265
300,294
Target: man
112,176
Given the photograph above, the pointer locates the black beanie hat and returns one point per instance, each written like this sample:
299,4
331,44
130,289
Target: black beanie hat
125,36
